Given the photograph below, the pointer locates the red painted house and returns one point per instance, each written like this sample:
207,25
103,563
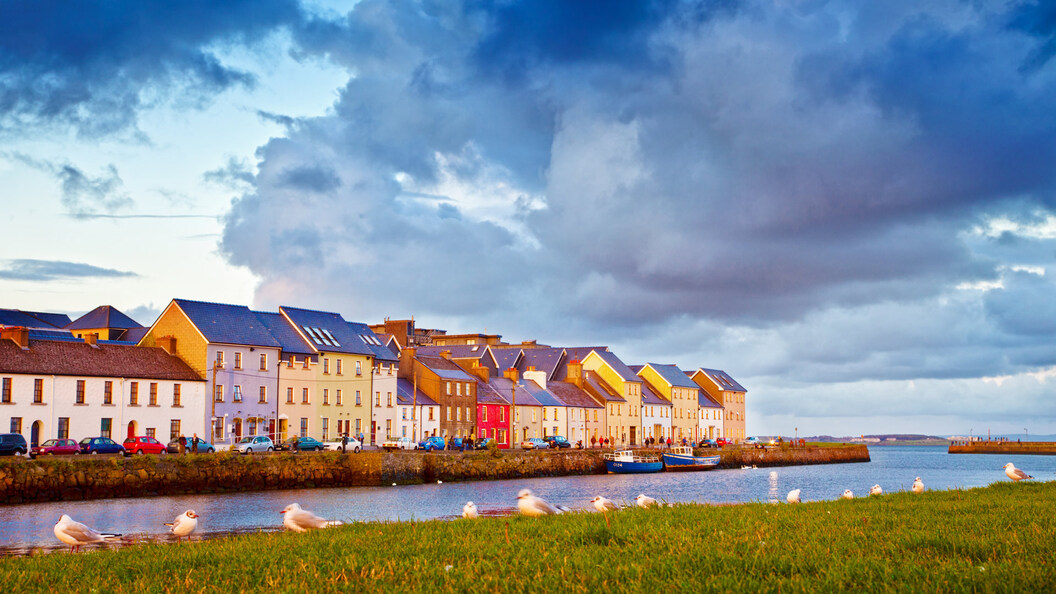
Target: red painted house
493,411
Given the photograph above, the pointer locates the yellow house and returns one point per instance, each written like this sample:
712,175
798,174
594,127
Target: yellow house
671,383
623,419
731,395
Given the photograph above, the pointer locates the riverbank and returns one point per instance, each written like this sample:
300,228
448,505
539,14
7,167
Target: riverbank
80,478
1036,448
986,539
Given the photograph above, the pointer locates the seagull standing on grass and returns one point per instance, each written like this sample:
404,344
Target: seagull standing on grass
184,524
918,486
876,490
793,496
77,534
604,505
645,501
847,494
300,520
532,506
1015,474
469,511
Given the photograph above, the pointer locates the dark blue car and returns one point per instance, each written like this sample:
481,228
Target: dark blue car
432,443
101,445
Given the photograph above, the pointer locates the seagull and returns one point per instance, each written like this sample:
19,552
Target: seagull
876,490
1014,473
300,520
184,524
604,505
77,534
645,501
918,486
469,511
793,496
530,505
439,482
847,494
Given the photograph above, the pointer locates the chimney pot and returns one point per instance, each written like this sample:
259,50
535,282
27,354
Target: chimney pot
18,335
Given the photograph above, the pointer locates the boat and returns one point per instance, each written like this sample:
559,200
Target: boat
625,462
682,458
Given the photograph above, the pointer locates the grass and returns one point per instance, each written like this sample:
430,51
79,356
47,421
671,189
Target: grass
998,538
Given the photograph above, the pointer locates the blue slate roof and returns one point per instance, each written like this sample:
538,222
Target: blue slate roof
32,319
705,401
289,340
227,324
378,348
53,334
134,335
445,369
327,331
458,351
673,375
723,380
505,389
649,396
505,358
599,389
104,316
542,395
543,359
618,366
489,395
405,394
573,354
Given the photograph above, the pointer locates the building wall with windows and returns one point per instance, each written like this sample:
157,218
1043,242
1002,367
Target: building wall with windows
624,420
385,414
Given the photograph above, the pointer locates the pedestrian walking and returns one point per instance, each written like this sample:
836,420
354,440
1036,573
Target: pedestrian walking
183,444
344,442
194,444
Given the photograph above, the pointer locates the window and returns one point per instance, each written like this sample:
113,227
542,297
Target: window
174,429
289,395
544,414
326,425
153,393
237,395
219,359
105,427
359,426
238,360
263,395
502,414
458,414
176,395
448,384
16,424
595,417
404,430
252,427
263,361
458,389
484,414
326,395
5,396
80,391
337,397
359,368
38,391
304,395
392,367
377,399
150,432
390,400
449,413
326,365
133,394
306,358
359,399
469,415
339,367
431,413
404,410
64,428
291,362
304,427
388,427
218,393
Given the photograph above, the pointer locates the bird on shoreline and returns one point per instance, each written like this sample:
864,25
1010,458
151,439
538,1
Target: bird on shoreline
469,511
847,494
918,486
876,490
793,496
532,506
604,505
1015,474
300,520
645,501
77,534
184,524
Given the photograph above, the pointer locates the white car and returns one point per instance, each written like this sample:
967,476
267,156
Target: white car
259,443
399,443
334,445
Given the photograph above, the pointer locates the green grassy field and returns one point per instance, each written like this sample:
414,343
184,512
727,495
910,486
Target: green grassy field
999,538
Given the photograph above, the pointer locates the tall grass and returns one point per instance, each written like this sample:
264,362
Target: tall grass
998,538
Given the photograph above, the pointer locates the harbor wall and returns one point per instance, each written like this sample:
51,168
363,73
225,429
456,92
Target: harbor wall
78,478
1040,448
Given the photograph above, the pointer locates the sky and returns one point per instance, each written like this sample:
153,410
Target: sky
850,207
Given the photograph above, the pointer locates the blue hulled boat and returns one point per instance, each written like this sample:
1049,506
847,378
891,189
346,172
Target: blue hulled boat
625,462
682,458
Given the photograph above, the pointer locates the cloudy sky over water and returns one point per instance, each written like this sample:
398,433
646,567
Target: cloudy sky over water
848,206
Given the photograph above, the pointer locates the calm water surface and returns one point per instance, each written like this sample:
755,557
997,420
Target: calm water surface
894,468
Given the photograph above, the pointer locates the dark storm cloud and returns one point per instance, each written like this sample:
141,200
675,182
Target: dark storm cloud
84,195
54,270
312,178
91,66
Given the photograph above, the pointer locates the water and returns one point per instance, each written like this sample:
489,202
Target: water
894,468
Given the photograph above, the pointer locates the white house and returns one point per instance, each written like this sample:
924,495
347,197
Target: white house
418,416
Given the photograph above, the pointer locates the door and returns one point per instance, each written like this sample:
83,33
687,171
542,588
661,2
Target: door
633,433
283,428
34,434
271,429
373,430
131,429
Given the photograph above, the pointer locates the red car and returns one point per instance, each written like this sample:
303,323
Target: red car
143,445
722,441
56,447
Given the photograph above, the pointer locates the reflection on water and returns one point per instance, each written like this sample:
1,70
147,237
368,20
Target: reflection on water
894,468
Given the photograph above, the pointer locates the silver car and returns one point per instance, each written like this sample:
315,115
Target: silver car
334,445
257,443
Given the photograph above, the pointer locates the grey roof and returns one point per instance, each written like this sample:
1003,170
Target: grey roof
649,396
489,395
227,324
405,394
134,335
573,354
673,375
104,316
598,388
326,331
444,368
706,401
572,395
722,379
522,397
618,366
458,351
76,358
542,395
505,357
542,359
289,339
32,319
377,346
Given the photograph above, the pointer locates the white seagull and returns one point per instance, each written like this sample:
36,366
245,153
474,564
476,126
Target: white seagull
1014,473
184,524
469,511
604,505
847,494
530,505
876,490
793,496
300,520
918,486
77,534
645,501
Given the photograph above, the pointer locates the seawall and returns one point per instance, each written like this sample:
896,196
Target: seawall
1040,448
77,478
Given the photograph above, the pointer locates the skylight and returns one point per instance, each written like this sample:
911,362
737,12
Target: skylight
331,337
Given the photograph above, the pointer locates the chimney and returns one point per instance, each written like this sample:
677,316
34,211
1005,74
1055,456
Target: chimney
480,371
167,343
574,374
407,362
510,374
91,338
18,335
539,377
446,355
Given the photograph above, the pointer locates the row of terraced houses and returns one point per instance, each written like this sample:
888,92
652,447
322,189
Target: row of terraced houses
226,371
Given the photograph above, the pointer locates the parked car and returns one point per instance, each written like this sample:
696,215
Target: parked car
257,443
100,445
707,443
482,443
534,443
557,441
143,444
204,447
455,443
753,440
300,444
353,445
13,444
722,441
432,443
56,447
399,443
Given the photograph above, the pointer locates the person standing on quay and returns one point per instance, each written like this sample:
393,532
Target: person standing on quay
344,442
194,444
183,444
